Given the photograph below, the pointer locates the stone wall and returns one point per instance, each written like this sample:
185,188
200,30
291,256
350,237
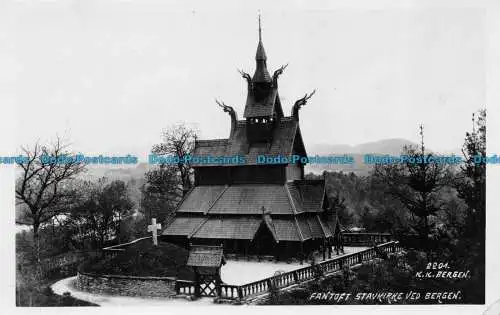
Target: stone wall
126,285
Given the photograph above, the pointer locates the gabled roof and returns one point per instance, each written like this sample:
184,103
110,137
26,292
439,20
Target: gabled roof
268,221
244,227
333,223
284,137
205,256
235,212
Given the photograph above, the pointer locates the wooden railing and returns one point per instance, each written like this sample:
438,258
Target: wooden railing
185,287
305,274
230,292
365,238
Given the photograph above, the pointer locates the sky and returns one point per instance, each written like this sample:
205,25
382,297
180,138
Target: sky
111,75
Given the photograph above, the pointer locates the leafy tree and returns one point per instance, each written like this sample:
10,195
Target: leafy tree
101,209
161,192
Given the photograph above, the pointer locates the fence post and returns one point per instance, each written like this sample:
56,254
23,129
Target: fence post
295,277
269,284
218,289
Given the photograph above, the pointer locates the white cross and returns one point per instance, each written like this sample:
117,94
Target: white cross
154,227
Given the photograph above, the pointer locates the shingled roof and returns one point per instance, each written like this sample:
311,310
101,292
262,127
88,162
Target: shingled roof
183,225
263,107
229,228
205,256
284,137
280,199
200,198
307,195
250,198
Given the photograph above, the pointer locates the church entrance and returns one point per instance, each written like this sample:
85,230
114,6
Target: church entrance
264,243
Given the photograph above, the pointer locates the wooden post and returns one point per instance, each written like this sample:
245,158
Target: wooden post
218,287
323,247
240,293
197,292
269,285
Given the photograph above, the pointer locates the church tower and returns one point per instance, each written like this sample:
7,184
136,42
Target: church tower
252,207
263,107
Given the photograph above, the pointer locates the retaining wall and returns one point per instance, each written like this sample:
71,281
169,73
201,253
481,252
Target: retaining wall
126,285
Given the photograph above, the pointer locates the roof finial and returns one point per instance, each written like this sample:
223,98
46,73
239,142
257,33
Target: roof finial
260,29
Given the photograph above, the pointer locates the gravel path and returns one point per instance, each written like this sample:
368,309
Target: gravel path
68,285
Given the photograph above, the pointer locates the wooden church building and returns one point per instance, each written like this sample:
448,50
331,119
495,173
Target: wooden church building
251,208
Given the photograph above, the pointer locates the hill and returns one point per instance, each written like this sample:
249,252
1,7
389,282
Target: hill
382,147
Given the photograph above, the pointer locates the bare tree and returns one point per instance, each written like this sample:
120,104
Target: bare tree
178,140
42,183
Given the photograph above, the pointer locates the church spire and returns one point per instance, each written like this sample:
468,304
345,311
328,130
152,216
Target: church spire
261,74
260,30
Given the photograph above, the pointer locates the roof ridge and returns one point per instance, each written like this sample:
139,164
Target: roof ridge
198,227
310,228
179,204
294,209
217,199
270,225
298,229
321,225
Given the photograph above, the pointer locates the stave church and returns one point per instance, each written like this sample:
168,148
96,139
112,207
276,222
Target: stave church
252,208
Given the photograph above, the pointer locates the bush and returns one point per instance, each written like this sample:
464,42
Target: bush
144,259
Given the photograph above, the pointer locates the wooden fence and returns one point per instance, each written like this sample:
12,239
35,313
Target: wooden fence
253,289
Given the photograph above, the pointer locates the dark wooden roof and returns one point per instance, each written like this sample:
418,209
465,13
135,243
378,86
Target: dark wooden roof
307,195
261,53
183,225
200,198
243,228
235,212
263,106
284,137
291,198
333,223
250,198
205,256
